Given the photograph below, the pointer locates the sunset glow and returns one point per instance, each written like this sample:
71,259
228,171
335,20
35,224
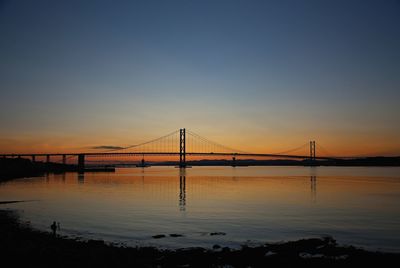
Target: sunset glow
259,77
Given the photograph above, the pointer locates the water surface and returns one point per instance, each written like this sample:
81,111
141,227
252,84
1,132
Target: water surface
357,206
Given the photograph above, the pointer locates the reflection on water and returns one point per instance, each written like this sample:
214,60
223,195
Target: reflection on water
182,189
357,206
313,182
81,177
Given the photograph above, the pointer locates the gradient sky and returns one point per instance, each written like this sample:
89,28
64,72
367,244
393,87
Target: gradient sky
261,76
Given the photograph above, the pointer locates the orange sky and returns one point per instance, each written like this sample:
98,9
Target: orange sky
261,142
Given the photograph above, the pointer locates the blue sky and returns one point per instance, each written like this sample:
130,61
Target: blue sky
277,73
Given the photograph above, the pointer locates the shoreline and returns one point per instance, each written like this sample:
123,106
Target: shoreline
21,244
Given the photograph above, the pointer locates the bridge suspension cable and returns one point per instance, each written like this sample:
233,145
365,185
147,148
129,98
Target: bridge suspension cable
146,143
213,145
324,151
170,143
304,146
178,143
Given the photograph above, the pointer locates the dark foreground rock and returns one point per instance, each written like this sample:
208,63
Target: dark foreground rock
20,245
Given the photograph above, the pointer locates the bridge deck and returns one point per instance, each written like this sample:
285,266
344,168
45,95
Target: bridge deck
111,154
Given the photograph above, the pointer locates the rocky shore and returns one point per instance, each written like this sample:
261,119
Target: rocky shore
22,245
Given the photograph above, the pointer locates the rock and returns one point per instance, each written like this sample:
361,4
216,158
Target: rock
218,233
158,236
216,247
306,255
270,253
341,257
175,235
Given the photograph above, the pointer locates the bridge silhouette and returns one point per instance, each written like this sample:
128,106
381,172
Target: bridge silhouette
181,143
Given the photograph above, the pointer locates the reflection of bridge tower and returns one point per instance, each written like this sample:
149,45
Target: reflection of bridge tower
81,177
182,190
313,181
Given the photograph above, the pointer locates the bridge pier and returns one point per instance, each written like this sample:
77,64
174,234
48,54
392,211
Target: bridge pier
81,162
48,158
142,163
33,158
182,148
233,161
64,159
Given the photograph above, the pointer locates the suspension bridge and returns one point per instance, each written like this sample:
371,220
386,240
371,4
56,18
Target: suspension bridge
180,143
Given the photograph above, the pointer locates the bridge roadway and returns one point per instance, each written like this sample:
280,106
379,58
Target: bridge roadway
105,154
182,163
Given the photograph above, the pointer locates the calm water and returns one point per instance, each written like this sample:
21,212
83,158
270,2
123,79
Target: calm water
358,206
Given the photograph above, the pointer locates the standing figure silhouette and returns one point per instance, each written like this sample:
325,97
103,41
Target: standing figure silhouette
54,228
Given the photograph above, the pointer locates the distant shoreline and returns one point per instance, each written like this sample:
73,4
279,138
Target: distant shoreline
368,161
357,162
12,168
22,245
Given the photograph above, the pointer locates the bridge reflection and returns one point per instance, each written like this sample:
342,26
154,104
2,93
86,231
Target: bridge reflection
182,189
81,177
313,182
197,185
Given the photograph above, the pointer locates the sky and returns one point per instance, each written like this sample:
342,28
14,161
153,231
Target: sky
261,76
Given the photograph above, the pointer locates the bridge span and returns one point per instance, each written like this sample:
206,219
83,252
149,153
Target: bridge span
188,145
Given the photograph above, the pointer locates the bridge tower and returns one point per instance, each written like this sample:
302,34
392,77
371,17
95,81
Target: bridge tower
312,150
182,148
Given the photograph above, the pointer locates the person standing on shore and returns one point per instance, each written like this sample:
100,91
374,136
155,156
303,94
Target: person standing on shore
54,228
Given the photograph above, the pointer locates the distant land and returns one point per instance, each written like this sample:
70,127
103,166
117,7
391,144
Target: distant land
11,168
362,161
367,161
